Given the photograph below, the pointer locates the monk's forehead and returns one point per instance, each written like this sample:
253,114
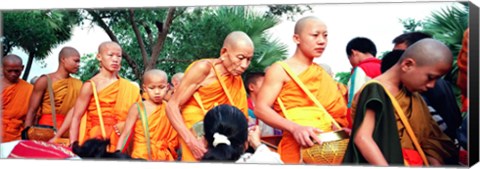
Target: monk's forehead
154,76
308,22
108,45
12,60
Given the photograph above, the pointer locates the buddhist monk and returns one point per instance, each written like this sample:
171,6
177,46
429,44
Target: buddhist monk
65,91
310,36
115,96
379,137
159,141
14,93
206,83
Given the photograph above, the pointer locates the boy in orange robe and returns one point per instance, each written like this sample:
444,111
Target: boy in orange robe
115,96
159,140
310,35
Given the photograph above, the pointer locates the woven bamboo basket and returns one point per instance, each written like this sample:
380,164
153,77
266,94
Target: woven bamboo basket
331,151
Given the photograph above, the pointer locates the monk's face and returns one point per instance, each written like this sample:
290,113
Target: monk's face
71,63
156,87
12,71
312,38
236,58
110,57
420,78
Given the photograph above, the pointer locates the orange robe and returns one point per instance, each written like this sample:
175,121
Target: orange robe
115,101
212,95
14,109
325,89
462,62
163,137
65,92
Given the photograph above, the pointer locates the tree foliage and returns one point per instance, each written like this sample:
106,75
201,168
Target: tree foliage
37,32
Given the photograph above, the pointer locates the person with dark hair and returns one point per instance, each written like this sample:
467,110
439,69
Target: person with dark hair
361,53
392,124
405,40
228,136
97,149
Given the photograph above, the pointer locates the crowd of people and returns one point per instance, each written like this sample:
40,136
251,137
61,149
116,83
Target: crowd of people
397,110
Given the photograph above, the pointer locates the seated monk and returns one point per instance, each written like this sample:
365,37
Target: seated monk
115,96
379,136
310,35
207,83
14,93
154,138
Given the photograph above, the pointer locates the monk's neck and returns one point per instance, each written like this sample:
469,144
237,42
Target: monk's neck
6,83
300,58
391,81
61,74
253,97
104,74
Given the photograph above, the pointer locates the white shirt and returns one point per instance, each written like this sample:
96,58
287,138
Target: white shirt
262,155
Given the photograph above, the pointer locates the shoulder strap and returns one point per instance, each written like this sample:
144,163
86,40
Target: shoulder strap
197,98
52,102
143,117
405,122
222,84
305,89
351,92
99,111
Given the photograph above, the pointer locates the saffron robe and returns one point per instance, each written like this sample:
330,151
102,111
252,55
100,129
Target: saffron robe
163,137
14,109
325,89
390,134
212,95
65,92
115,101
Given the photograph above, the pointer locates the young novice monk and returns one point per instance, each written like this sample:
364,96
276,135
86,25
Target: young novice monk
159,141
379,136
115,96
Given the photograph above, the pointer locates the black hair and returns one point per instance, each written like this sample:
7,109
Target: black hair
410,38
252,78
230,122
97,149
361,44
390,59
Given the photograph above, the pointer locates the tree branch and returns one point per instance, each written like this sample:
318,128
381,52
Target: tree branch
162,35
131,18
149,33
175,60
97,19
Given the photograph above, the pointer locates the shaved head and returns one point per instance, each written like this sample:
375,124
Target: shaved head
154,74
300,25
237,38
428,51
103,46
177,76
12,59
67,52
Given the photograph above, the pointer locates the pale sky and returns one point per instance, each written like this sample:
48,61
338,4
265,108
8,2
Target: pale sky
377,21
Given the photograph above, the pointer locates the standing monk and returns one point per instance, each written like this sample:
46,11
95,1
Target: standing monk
176,78
311,38
202,88
65,91
15,92
115,96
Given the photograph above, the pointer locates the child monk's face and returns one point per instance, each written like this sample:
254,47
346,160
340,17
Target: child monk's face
312,38
156,88
418,78
110,57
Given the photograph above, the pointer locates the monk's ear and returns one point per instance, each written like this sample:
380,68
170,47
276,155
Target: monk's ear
407,64
251,87
223,52
99,58
296,39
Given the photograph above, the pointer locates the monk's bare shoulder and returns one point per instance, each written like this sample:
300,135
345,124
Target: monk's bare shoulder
276,71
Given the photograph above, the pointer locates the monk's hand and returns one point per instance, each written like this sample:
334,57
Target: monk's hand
305,135
197,147
254,137
346,129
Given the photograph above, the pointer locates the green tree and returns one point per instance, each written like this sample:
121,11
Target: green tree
343,77
37,32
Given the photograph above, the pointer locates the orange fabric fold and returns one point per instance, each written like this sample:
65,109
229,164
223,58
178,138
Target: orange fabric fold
65,92
325,89
212,95
163,137
14,109
462,62
115,101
